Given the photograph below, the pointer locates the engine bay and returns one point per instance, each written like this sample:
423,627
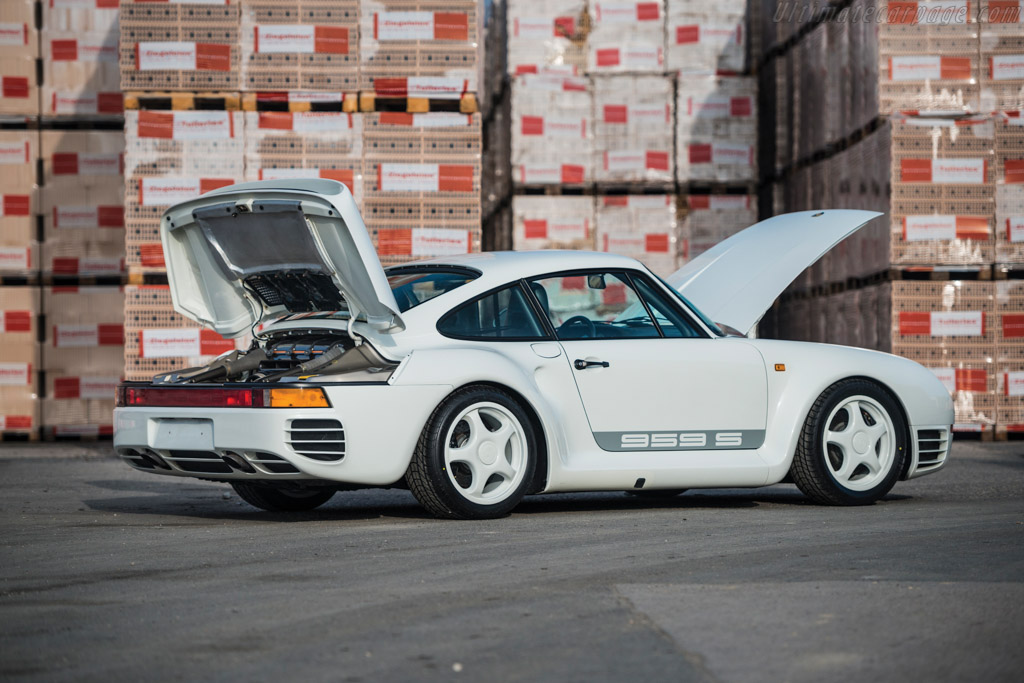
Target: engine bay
290,355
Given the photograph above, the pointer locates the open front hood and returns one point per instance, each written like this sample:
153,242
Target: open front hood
737,280
251,252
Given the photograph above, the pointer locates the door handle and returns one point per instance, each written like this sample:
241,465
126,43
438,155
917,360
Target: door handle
581,364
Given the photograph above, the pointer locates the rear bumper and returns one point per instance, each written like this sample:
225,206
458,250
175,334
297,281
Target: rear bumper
380,424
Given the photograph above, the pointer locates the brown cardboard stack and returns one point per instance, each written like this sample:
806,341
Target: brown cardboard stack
1002,55
19,318
928,57
82,358
81,75
706,37
305,145
948,327
643,227
552,130
1010,192
633,129
180,46
82,202
716,128
422,184
300,45
712,218
19,46
419,48
18,247
545,36
558,222
157,340
942,208
626,37
170,157
1009,353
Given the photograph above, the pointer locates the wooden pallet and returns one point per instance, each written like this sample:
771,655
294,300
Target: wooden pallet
146,276
183,101
1008,271
371,102
612,187
1009,433
257,101
13,437
57,280
941,273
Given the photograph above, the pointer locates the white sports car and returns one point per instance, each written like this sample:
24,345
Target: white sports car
477,379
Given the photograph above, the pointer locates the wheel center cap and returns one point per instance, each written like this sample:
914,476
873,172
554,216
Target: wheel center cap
861,442
487,453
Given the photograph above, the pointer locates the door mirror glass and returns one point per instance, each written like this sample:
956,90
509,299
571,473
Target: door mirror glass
596,282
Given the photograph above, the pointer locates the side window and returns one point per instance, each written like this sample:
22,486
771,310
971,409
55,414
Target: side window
505,314
671,322
593,306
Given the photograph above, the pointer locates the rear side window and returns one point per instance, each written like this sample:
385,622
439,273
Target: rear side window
411,288
502,315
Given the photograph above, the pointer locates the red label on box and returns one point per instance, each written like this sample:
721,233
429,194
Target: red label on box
394,242
616,113
15,321
210,57
455,178
1013,325
15,205
656,243
608,56
572,174
156,124
741,106
151,255
1013,171
657,161
1004,11
15,86
687,34
700,154
533,125
535,229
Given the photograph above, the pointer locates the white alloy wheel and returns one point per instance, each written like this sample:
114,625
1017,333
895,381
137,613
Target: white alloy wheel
485,453
859,443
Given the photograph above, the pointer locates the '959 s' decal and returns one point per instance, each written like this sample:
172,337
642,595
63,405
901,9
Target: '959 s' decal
680,441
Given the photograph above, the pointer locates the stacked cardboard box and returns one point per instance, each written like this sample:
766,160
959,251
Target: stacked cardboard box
81,75
19,249
545,36
158,340
180,46
1009,354
82,203
422,194
82,358
1009,194
552,130
19,46
553,222
19,318
419,48
716,128
1002,55
711,218
643,227
302,45
948,327
705,37
170,157
626,37
633,129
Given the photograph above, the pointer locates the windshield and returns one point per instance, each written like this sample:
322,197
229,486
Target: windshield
412,287
713,326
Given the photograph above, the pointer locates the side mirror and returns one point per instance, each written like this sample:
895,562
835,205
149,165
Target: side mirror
596,281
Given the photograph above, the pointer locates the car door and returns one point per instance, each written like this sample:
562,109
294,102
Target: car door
649,376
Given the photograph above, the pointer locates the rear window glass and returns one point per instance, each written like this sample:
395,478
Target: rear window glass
412,288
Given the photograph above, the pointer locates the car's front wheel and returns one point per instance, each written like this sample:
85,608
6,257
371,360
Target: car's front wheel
853,445
281,499
476,456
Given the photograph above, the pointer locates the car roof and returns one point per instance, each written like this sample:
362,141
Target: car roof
511,265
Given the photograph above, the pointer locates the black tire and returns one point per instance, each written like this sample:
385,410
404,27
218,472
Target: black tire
428,477
811,470
282,499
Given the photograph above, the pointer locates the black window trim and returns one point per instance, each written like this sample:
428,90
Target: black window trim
534,307
629,273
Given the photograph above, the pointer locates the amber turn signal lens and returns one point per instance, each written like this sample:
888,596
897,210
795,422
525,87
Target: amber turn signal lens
298,398
780,367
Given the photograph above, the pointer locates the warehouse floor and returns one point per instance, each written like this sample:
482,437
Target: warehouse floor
111,573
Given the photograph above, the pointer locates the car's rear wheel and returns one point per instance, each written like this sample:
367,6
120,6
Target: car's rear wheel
282,499
853,445
475,457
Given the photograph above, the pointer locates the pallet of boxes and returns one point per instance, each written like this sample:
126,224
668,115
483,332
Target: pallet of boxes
939,103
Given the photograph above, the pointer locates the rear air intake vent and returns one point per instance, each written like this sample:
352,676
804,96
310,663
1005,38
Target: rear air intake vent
317,439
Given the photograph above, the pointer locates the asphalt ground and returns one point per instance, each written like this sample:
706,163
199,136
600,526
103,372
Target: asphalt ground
111,574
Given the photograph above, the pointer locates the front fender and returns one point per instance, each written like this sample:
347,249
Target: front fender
812,368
